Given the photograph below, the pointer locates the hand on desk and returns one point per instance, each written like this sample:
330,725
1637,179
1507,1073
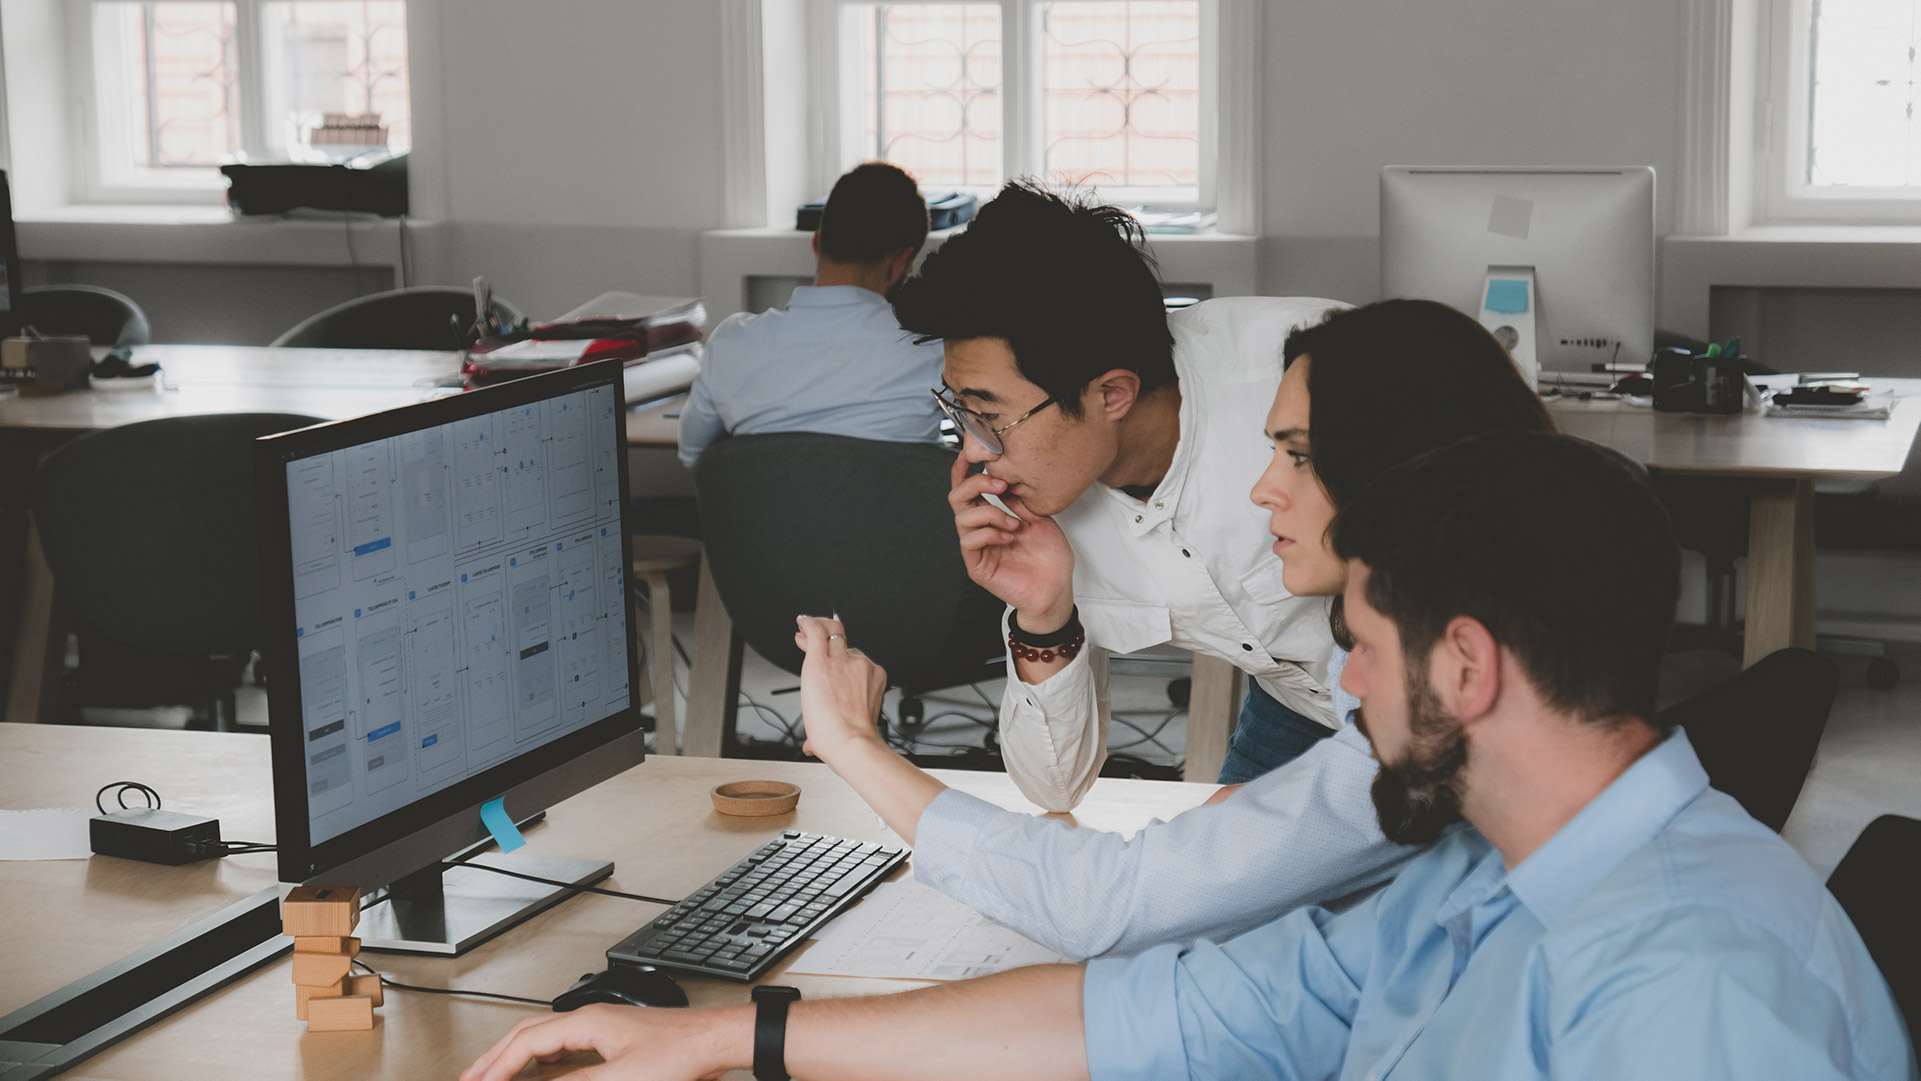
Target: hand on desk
636,1043
840,699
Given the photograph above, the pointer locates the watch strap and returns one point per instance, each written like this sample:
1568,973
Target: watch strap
770,1031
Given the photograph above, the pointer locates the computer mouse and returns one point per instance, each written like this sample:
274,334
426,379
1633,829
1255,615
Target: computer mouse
623,985
1638,383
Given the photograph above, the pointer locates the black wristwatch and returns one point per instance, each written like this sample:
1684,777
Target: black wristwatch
770,1031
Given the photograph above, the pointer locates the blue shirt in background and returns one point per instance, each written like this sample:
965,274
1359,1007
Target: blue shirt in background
834,360
1662,933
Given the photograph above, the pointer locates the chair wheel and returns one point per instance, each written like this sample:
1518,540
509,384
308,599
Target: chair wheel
1883,673
1179,691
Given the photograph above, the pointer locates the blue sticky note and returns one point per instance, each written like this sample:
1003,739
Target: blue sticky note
1507,295
506,834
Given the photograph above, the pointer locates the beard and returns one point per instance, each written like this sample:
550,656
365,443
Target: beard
1419,796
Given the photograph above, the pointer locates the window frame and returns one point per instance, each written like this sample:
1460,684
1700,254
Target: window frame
1783,123
836,85
96,181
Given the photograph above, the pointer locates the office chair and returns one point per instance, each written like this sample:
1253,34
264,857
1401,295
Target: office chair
103,316
1876,884
800,522
423,317
1757,733
149,531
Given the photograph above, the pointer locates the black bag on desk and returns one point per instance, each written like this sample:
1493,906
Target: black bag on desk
275,189
1689,383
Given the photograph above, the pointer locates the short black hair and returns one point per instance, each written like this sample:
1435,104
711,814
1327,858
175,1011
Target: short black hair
875,210
1559,547
1068,284
1391,380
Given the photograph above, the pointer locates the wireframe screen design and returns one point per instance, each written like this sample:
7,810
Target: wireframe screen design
459,599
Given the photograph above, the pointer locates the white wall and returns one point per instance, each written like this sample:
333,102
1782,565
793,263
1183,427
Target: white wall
1354,86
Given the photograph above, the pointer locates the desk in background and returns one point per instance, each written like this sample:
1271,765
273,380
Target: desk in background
1784,456
69,918
333,384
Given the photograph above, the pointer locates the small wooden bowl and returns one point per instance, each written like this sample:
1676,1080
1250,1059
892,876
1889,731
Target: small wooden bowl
756,799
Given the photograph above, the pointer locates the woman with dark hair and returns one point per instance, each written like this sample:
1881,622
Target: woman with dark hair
1364,390
1393,380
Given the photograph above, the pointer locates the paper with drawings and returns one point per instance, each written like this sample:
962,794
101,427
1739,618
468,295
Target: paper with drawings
906,931
51,834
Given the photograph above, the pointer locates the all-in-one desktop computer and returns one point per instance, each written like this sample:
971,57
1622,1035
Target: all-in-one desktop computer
1558,263
445,593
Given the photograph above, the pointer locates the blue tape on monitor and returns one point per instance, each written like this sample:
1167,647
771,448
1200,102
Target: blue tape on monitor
1507,295
501,825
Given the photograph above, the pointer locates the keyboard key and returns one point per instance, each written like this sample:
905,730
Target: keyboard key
782,914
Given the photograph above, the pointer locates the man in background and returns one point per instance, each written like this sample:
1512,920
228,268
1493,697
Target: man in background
834,360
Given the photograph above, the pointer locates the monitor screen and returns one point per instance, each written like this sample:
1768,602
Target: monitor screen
456,572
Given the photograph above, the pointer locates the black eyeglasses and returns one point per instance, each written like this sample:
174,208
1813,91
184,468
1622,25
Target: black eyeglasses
976,425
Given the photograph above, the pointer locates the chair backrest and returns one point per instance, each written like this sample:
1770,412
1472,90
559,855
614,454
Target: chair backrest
149,530
1757,733
1877,883
104,316
804,523
418,318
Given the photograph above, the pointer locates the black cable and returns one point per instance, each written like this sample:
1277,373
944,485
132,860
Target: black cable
545,1004
565,885
153,798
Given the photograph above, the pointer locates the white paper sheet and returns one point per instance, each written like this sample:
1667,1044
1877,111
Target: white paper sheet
904,930
51,834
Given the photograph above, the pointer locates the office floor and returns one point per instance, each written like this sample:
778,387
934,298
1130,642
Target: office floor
1869,763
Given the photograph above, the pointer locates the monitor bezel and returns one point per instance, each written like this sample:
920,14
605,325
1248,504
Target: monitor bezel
13,320
439,813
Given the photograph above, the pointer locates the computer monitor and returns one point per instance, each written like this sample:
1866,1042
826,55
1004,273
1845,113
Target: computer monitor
11,319
447,624
1558,263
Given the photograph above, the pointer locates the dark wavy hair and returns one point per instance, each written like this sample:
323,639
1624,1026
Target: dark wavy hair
1391,380
873,211
1559,547
1066,282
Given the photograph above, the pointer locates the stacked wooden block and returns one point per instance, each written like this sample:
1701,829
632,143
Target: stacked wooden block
327,995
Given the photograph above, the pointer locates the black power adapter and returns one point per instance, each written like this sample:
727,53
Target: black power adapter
156,836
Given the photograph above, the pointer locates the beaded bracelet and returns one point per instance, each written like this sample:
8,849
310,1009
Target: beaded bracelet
1065,651
1064,643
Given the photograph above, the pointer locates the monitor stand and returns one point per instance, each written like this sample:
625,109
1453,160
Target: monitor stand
448,910
1510,310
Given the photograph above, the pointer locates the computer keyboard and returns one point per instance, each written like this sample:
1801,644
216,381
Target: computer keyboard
737,926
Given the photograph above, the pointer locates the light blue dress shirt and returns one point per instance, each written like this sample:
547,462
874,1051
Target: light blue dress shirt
835,360
1303,834
1662,933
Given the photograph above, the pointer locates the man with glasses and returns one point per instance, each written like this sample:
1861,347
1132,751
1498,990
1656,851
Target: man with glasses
834,360
1101,490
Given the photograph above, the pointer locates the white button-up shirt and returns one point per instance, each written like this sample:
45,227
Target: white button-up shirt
1191,566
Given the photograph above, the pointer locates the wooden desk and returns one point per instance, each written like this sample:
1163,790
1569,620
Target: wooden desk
656,424
68,918
333,384
1783,456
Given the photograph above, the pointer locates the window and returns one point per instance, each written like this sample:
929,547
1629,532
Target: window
1840,138
178,87
1114,94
